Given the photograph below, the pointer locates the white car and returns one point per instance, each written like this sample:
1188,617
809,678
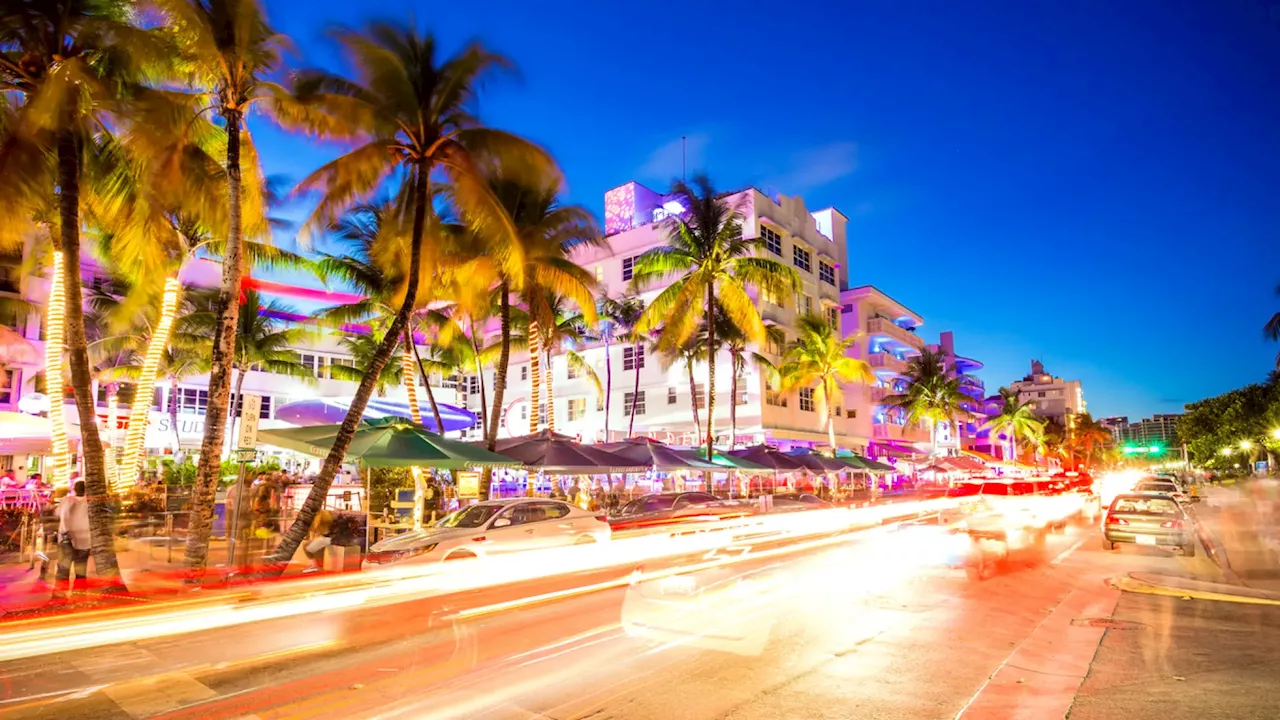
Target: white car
494,526
1162,487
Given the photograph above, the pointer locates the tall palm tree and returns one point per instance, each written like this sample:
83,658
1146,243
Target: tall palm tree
819,358
179,362
710,263
1090,437
565,330
70,67
618,318
932,395
740,356
228,51
410,112
1016,419
687,353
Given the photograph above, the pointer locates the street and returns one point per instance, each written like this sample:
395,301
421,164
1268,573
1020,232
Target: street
869,624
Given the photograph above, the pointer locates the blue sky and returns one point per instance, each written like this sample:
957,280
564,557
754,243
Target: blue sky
1092,184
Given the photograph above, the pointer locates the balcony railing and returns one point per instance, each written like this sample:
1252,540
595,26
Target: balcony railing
885,361
878,394
908,433
885,326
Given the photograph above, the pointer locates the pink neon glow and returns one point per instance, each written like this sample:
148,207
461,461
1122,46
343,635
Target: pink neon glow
302,293
620,209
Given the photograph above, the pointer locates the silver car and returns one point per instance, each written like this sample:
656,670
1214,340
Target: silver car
1153,519
494,526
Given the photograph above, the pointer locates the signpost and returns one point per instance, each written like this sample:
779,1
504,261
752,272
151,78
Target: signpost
246,451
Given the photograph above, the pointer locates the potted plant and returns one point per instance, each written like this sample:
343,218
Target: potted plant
346,535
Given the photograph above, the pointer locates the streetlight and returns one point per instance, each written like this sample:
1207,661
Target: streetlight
1245,445
1276,433
1225,451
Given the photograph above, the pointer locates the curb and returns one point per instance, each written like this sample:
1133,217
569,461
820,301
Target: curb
1127,583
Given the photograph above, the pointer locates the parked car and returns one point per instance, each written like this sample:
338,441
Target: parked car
799,501
494,526
1153,519
1161,486
673,507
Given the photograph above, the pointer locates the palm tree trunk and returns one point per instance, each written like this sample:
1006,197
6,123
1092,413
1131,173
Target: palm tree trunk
535,378
407,377
693,397
499,383
831,420
635,391
173,414
551,400
484,407
55,385
209,467
141,408
711,374
733,404
608,385
101,526
320,488
431,396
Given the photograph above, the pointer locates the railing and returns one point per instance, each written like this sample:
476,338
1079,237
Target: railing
887,362
878,394
885,326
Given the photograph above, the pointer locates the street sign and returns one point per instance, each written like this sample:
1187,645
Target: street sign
246,455
247,436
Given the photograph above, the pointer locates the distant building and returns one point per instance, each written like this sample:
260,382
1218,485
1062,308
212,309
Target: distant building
1159,430
1053,398
1116,424
971,436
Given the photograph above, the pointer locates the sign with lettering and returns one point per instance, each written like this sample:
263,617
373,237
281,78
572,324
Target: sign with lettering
247,434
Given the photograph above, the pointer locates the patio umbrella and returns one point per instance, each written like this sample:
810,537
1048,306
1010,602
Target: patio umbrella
658,456
327,411
814,462
388,442
560,455
870,465
726,462
769,457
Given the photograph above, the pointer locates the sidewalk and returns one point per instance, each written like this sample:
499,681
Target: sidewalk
1245,531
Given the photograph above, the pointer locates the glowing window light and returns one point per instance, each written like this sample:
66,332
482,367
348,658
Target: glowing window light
410,384
140,410
111,468
535,376
55,316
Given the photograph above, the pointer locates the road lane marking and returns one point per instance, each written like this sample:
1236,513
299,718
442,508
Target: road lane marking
1067,553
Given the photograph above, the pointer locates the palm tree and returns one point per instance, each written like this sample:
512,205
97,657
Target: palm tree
72,66
1090,436
819,358
410,112
618,323
736,343
1016,419
228,50
178,362
566,330
689,354
711,264
932,395
1056,443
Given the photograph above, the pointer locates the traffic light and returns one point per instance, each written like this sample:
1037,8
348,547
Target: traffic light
1141,449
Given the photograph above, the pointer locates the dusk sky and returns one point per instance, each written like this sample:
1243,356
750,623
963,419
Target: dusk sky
1094,184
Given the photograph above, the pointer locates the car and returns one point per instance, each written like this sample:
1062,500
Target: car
494,526
1153,519
799,501
1162,487
673,507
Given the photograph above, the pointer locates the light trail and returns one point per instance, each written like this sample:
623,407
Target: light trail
410,582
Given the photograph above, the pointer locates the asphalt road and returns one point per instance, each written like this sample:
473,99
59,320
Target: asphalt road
872,626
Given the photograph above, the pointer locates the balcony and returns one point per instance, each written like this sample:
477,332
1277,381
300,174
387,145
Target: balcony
904,433
885,327
887,362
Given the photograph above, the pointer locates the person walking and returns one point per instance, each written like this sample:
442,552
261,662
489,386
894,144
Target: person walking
73,541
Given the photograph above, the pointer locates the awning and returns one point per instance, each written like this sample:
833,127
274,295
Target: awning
965,464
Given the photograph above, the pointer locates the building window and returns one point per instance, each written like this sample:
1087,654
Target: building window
599,403
629,267
628,398
577,408
742,397
193,401
804,304
671,396
775,347
633,357
826,272
238,403
524,373
770,298
599,273
572,371
773,397
8,385
772,240
801,258
700,395
524,412
833,317
542,413
806,399
1040,394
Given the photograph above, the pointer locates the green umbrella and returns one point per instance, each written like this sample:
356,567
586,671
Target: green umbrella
728,462
859,462
388,442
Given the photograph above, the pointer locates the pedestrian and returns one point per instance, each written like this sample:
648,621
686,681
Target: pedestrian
73,541
319,539
430,502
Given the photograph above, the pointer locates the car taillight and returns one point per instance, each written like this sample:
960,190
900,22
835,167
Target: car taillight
602,518
1172,524
1116,520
